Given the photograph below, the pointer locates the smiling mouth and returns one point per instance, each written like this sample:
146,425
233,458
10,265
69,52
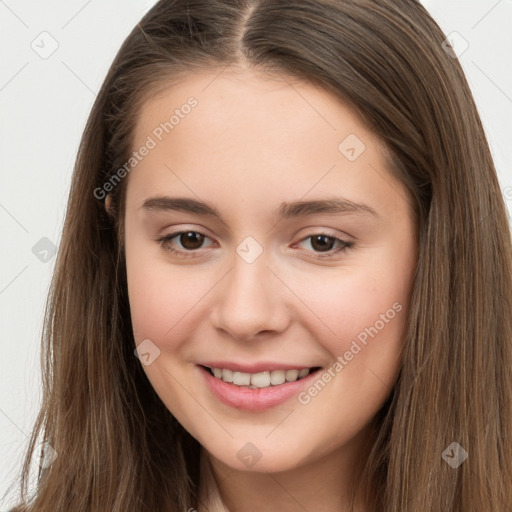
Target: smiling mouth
262,379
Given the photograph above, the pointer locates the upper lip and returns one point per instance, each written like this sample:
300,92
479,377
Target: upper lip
253,367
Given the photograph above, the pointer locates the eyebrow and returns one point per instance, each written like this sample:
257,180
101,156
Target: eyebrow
286,210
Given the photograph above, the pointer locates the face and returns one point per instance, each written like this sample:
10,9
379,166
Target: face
266,241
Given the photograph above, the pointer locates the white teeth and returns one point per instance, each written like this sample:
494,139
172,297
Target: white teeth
291,375
227,375
241,378
261,379
277,377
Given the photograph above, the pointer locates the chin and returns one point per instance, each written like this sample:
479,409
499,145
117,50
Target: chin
259,457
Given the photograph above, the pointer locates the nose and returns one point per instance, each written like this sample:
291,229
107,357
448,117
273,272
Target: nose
250,301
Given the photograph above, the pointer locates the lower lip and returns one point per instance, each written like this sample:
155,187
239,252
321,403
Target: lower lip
254,399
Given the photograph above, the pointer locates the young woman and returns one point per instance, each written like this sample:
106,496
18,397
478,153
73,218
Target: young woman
284,281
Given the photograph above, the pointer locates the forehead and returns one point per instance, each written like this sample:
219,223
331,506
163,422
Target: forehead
245,131
249,98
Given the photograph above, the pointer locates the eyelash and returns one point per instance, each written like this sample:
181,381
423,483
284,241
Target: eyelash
165,243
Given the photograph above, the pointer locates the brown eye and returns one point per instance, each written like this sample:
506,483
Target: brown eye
322,242
325,245
191,240
184,243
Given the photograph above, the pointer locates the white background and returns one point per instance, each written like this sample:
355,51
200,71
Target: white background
44,105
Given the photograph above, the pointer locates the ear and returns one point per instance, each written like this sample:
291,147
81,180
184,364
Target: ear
108,203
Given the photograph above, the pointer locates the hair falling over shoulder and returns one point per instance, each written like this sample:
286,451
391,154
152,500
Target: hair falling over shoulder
118,446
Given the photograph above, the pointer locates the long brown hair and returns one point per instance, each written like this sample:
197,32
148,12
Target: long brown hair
118,446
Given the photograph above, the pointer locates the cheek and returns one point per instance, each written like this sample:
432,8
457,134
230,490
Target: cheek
163,306
361,313
367,311
161,298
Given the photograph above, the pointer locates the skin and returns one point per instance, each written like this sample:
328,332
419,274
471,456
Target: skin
253,142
